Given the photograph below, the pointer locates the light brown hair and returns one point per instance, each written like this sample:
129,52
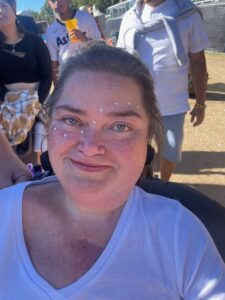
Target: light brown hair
99,57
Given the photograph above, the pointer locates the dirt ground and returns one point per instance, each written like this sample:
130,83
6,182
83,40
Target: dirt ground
203,163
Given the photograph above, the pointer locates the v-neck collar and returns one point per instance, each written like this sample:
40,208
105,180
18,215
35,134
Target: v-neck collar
72,288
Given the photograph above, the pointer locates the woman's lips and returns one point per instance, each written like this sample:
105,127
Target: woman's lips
89,167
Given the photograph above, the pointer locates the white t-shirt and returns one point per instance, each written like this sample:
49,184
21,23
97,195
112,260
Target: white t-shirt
57,37
155,50
158,250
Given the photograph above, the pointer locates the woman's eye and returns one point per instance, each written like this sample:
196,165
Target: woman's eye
71,121
121,127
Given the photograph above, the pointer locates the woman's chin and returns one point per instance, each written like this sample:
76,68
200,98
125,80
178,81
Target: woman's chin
87,184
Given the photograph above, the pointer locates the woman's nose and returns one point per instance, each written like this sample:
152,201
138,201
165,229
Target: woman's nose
90,142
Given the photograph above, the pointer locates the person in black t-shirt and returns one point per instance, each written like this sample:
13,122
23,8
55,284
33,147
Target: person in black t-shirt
24,60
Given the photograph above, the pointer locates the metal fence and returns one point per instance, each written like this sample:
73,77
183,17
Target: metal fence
213,12
208,2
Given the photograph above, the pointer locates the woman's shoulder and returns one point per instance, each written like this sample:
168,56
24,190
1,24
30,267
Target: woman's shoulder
168,213
12,191
42,186
43,198
151,200
39,188
43,191
10,199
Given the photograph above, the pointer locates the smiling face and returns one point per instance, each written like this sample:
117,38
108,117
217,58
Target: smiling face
7,15
98,134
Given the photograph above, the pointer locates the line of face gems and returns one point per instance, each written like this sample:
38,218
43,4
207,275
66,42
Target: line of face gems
65,135
117,104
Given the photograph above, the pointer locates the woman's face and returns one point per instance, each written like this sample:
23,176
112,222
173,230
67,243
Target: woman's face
98,133
7,15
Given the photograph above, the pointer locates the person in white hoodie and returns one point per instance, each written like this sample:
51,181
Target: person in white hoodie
169,36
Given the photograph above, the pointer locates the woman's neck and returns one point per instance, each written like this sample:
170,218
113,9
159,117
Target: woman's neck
95,228
92,214
12,36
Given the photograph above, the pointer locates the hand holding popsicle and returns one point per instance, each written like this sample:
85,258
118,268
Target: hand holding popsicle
75,34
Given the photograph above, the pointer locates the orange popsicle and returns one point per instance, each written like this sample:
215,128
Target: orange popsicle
72,24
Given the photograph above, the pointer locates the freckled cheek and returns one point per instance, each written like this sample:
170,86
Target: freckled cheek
134,148
60,139
131,156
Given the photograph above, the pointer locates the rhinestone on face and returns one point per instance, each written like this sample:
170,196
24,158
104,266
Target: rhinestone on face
94,121
54,128
138,107
128,103
101,109
116,103
65,135
82,131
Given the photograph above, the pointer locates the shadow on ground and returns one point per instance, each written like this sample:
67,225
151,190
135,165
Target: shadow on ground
213,96
215,92
216,87
206,164
201,163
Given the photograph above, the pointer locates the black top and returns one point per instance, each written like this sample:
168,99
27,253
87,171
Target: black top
28,24
29,63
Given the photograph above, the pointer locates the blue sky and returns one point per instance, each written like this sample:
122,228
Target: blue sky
30,4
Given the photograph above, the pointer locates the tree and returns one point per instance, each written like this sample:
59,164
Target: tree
33,14
100,4
103,4
46,14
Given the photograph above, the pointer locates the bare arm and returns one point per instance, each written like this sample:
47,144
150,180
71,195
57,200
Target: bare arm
199,76
12,169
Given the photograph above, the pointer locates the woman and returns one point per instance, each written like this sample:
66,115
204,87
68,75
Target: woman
89,233
24,61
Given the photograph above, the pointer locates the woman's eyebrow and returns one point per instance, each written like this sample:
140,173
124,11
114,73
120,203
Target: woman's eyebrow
70,109
126,113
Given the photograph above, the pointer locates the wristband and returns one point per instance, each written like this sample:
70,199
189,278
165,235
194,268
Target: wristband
200,106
